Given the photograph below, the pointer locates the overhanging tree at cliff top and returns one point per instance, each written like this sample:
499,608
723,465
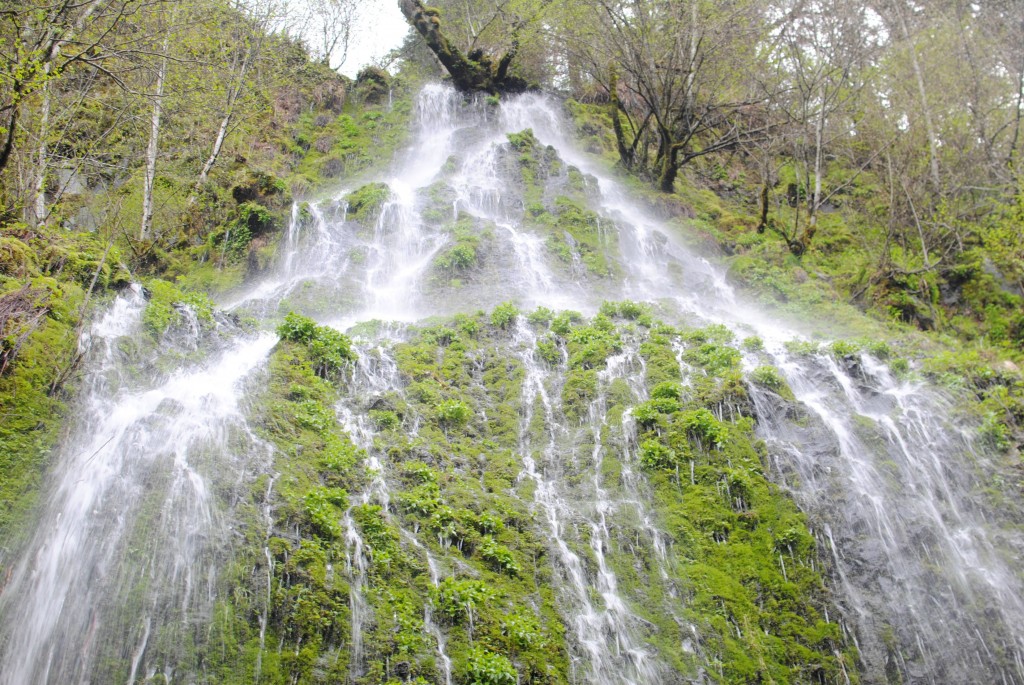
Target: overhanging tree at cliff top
685,68
475,71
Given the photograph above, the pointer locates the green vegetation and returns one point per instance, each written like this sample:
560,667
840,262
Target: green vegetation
365,203
916,223
574,233
165,303
744,552
329,350
47,278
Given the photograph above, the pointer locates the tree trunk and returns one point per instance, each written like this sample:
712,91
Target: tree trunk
669,170
12,126
39,204
763,223
225,123
933,154
218,143
812,210
22,87
1011,155
625,154
481,73
151,150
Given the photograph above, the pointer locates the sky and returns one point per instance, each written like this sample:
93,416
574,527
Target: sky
381,27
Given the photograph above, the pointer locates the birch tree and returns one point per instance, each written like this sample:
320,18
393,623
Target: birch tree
154,132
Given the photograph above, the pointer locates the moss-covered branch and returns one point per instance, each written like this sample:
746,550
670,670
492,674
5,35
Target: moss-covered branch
470,73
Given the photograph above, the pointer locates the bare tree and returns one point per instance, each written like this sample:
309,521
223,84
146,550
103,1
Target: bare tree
41,41
677,70
327,26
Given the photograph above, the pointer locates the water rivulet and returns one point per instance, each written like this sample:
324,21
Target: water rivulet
566,452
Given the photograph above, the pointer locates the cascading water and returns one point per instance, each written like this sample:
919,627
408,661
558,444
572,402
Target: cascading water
126,554
894,487
131,543
603,631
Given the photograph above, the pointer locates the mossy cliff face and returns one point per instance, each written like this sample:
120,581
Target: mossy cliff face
47,278
555,199
408,542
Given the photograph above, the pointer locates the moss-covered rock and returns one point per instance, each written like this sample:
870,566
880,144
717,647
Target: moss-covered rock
364,204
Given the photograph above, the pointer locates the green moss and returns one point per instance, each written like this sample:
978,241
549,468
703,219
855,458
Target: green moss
329,350
769,377
743,548
45,277
364,204
576,231
165,303
504,315
579,390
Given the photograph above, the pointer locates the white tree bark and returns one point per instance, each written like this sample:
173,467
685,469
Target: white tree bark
233,94
39,211
933,153
153,147
39,185
819,130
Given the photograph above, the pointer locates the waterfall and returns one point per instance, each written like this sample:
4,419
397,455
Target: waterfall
132,537
142,507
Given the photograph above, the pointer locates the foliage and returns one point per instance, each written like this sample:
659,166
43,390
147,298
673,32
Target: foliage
330,351
769,377
458,258
487,668
453,413
165,305
459,599
365,204
504,315
499,556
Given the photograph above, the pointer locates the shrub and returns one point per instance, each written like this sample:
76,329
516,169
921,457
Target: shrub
487,668
457,599
297,328
625,309
384,419
650,412
461,256
667,390
562,324
504,315
801,348
329,350
499,556
844,348
713,358
548,350
541,316
319,504
769,377
490,524
590,346
701,425
453,413
522,630
654,455
753,344
254,217
646,415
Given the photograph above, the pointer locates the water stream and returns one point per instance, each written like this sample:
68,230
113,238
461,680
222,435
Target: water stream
137,525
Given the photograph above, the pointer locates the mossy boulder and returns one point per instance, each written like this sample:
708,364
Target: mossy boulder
365,203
